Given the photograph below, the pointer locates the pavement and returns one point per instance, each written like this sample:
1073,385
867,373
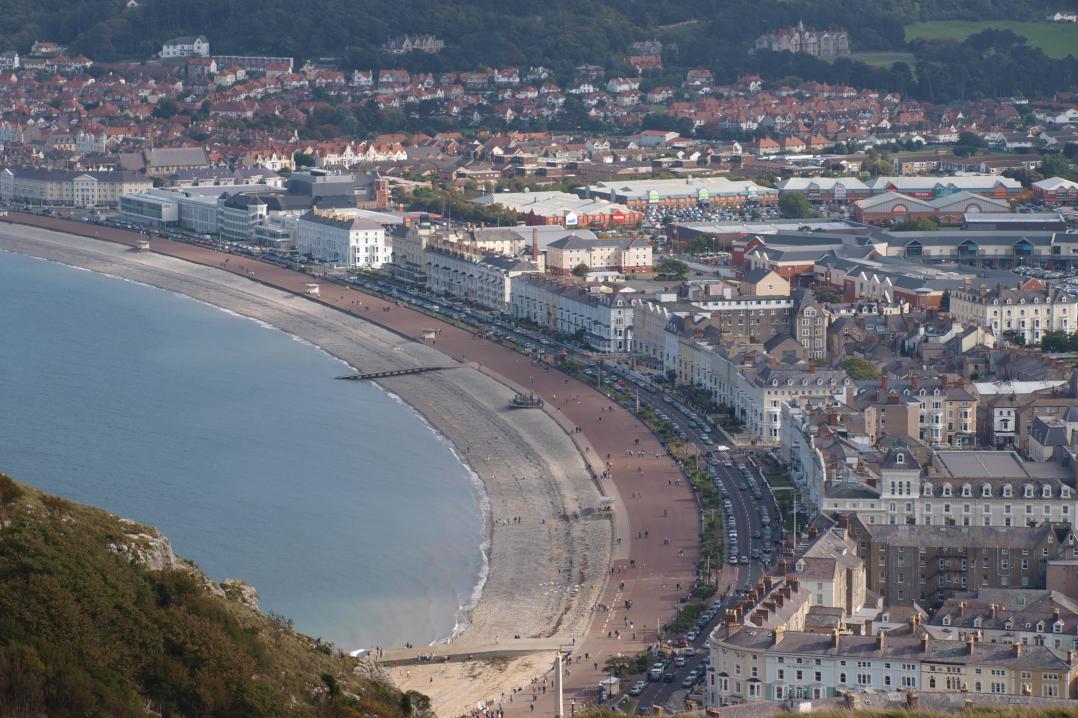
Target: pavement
662,525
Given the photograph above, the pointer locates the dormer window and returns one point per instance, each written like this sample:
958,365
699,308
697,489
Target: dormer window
986,490
977,622
1008,492
928,489
1009,625
1057,627
966,490
1046,492
946,620
946,489
900,458
789,382
774,382
819,382
1027,491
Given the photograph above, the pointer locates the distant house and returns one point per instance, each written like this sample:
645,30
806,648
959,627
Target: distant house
186,46
420,43
824,43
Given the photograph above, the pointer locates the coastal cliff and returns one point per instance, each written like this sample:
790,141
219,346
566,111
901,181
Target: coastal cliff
98,616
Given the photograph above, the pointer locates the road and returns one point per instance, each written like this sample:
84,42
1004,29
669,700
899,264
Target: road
747,525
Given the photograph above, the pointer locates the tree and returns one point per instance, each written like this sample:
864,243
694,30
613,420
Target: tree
860,369
581,270
945,301
827,294
1056,166
922,224
795,206
673,269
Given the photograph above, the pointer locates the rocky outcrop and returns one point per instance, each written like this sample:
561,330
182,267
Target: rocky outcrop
147,547
237,590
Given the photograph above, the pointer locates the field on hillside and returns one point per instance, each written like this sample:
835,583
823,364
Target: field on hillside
884,58
1056,39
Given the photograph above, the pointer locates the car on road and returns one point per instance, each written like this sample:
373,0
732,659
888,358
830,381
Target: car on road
744,559
679,661
637,688
689,680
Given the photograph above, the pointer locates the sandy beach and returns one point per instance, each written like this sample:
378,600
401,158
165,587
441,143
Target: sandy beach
545,570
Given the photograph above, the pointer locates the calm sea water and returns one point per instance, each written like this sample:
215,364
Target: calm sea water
343,509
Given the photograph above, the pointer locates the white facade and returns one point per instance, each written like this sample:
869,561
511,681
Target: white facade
1026,313
603,320
342,240
186,47
483,278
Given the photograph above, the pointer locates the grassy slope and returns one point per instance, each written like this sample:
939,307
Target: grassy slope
85,631
1056,39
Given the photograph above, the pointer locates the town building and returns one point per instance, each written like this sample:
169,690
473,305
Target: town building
459,269
69,188
929,564
339,237
1016,312
625,256
186,46
601,315
825,44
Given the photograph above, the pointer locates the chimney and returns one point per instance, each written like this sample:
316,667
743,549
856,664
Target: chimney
844,521
834,638
793,584
945,381
884,383
812,368
914,382
535,244
1072,657
779,633
783,565
867,630
767,582
880,641
969,647
962,608
915,621
1017,649
924,642
812,532
779,599
992,611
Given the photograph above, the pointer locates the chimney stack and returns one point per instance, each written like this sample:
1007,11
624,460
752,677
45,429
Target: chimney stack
962,608
992,611
834,638
1017,649
924,642
884,383
969,647
880,641
535,244
779,633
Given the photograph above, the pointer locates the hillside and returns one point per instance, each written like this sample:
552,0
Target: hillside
557,33
99,617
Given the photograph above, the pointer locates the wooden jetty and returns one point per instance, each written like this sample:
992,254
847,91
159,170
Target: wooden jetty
392,372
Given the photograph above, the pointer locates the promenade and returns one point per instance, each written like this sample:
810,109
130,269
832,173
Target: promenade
656,531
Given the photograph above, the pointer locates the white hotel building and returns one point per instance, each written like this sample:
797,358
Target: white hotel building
342,239
1024,312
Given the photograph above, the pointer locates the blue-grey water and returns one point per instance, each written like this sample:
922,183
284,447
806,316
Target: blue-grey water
345,511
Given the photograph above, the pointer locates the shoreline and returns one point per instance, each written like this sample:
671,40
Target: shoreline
513,439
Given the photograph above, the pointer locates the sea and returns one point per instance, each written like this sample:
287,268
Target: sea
346,511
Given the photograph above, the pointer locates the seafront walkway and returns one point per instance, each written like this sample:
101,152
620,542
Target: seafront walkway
656,526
